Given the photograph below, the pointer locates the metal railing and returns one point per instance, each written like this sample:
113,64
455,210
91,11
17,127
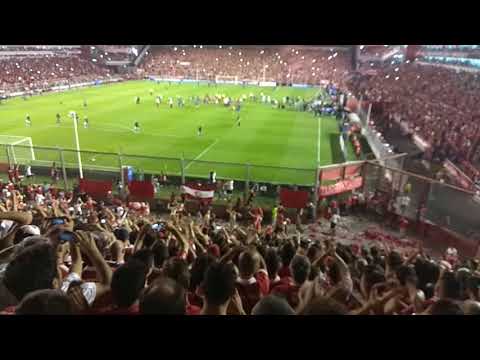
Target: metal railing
106,165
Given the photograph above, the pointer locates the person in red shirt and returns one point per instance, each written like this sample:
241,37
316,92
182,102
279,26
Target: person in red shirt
257,215
287,252
18,176
218,290
273,262
128,282
11,174
300,269
177,269
253,282
199,267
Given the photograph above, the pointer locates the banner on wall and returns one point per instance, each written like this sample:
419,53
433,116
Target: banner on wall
293,199
340,187
95,188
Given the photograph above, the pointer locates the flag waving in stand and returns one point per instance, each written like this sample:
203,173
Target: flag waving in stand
199,191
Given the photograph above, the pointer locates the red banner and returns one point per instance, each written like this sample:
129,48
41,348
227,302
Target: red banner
141,189
332,174
353,170
340,187
95,188
293,199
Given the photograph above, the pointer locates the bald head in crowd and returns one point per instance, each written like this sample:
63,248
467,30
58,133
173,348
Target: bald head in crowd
273,305
248,263
164,297
471,307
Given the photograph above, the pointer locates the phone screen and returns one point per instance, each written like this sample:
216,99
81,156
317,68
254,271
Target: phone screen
58,221
65,236
158,227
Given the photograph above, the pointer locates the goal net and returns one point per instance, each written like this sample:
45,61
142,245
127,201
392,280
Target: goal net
19,149
223,79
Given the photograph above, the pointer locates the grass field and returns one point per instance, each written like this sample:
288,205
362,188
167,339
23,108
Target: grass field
282,146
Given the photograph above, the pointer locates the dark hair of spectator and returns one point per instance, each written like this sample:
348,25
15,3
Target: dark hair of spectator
164,297
33,268
128,282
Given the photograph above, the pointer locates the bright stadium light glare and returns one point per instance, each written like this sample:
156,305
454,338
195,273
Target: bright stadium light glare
261,52
216,59
387,77
396,69
330,57
296,52
303,57
94,60
239,53
194,46
219,46
174,49
361,47
335,55
201,46
397,78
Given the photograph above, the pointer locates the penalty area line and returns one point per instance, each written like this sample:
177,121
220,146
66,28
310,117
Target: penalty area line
202,153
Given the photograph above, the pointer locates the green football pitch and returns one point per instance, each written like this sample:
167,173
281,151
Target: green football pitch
280,145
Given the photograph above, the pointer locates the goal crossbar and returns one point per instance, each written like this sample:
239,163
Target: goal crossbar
13,142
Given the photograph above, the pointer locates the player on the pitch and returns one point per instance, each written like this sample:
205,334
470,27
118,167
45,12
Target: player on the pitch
200,130
180,103
136,127
151,92
197,102
58,119
28,121
137,100
158,101
85,122
237,110
85,103
170,102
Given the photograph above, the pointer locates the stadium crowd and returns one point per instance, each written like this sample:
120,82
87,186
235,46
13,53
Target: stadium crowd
285,64
436,103
34,73
65,253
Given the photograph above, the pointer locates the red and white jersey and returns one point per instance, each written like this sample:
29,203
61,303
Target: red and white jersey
253,289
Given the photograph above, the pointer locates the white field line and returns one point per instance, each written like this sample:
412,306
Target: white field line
318,140
202,153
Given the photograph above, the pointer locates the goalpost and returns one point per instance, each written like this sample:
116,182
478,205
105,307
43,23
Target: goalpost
19,148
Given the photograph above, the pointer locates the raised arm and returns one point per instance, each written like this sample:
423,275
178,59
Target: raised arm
104,272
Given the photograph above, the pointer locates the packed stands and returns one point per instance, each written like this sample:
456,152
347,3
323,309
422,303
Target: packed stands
32,67
436,103
287,64
117,257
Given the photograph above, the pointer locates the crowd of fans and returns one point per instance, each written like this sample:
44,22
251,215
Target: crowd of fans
32,73
436,103
285,64
65,253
